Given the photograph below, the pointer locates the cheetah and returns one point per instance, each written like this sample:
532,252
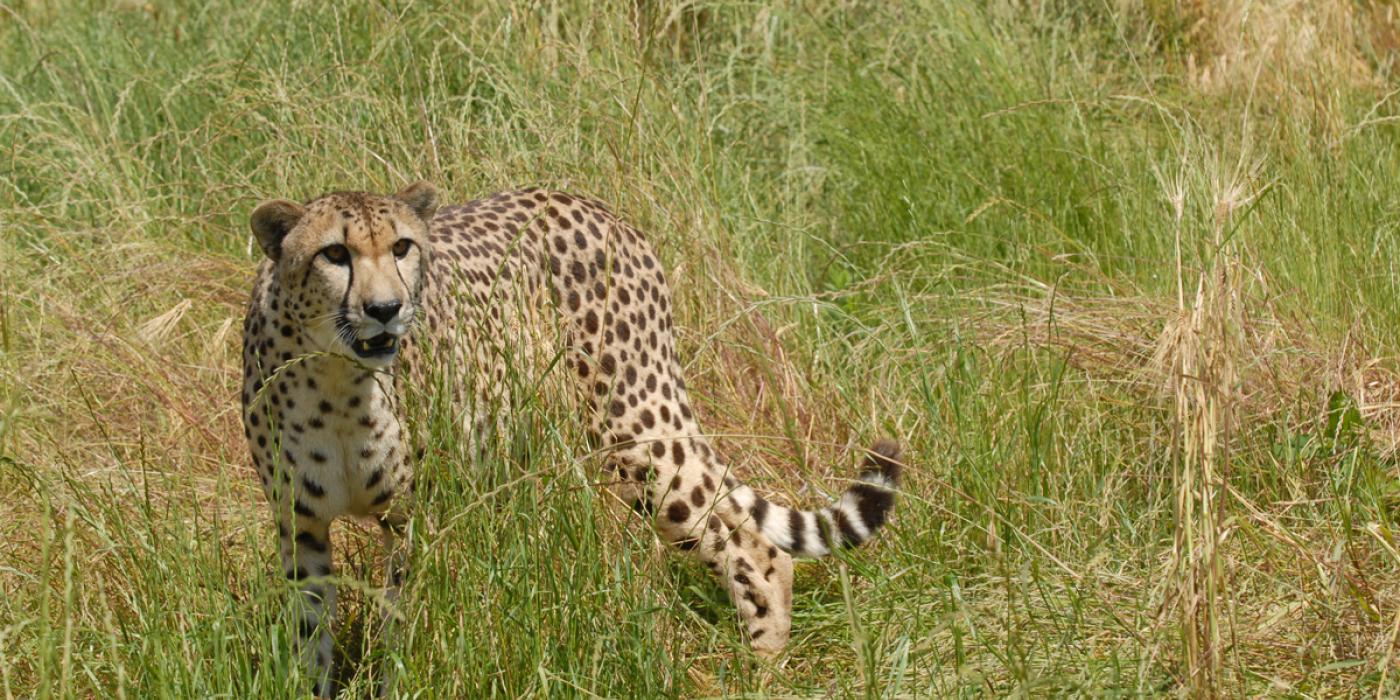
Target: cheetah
360,295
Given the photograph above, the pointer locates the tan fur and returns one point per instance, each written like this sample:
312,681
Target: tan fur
478,283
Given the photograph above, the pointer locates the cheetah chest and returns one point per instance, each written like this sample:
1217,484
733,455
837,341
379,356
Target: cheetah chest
344,440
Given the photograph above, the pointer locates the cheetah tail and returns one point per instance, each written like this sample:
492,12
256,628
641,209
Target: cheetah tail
850,521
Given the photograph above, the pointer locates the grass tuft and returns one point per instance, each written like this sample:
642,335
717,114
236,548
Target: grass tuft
1119,276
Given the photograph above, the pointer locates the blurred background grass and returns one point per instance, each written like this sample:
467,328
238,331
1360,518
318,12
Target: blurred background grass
1121,274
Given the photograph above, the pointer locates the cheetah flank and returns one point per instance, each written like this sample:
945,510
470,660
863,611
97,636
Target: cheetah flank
353,280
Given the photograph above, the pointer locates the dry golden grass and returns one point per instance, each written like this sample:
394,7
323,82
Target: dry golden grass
1119,276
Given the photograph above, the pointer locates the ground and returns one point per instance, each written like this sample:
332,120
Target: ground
1122,279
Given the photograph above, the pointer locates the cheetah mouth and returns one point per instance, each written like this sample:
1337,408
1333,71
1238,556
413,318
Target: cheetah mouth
382,345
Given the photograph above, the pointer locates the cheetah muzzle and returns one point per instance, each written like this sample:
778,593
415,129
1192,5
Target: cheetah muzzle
361,295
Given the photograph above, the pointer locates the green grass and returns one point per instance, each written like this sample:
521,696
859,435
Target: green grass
950,221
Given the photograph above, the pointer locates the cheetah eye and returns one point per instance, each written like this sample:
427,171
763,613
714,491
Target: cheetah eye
337,254
401,247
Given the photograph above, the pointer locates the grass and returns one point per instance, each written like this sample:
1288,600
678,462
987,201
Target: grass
1120,275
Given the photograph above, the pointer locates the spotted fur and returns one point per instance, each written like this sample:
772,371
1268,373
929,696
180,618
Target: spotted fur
484,289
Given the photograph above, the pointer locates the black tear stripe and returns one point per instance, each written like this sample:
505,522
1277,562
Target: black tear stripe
399,272
345,298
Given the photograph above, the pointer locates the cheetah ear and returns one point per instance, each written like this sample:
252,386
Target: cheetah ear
272,221
421,197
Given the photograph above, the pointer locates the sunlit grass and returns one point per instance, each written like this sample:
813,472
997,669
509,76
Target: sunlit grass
978,227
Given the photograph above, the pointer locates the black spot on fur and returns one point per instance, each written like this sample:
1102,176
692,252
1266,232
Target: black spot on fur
677,512
313,488
302,510
309,541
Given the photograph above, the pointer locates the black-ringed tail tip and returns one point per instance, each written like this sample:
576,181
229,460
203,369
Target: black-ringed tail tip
850,521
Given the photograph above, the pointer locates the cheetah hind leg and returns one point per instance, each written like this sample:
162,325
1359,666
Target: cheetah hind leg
757,575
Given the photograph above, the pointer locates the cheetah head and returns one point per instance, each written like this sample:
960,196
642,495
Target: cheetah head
350,266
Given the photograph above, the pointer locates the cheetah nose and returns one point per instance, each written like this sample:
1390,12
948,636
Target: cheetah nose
383,313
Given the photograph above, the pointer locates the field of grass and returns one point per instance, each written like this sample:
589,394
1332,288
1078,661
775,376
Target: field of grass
1121,275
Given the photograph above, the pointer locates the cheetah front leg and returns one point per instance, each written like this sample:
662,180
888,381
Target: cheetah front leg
306,561
393,527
